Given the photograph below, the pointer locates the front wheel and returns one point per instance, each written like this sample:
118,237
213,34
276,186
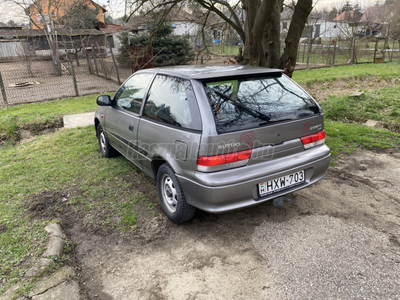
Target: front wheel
171,196
105,148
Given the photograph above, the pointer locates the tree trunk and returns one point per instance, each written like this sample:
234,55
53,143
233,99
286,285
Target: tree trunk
259,12
299,19
250,6
27,56
272,38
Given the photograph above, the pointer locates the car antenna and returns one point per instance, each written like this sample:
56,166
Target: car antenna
151,59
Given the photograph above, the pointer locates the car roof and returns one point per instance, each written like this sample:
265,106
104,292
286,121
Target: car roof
208,72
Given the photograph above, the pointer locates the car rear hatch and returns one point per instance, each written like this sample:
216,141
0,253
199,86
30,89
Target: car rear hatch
258,119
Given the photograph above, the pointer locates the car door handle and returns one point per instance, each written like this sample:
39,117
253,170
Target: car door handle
130,127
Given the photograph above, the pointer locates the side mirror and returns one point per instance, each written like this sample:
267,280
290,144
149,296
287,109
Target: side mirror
103,100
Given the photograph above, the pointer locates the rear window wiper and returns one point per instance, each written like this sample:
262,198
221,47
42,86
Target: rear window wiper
253,112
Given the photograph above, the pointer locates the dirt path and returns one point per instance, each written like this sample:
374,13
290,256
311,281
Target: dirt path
45,85
340,239
322,90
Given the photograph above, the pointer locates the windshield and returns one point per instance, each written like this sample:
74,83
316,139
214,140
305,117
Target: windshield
245,103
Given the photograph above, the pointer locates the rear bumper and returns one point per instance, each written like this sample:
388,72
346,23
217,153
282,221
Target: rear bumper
237,188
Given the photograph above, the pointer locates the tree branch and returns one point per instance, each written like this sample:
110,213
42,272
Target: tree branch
237,26
299,19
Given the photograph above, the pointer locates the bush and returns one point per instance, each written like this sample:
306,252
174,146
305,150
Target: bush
170,50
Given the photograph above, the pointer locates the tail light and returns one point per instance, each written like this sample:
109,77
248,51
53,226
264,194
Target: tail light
223,161
313,140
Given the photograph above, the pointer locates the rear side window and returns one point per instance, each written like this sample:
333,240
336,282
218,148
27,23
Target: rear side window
171,101
130,95
245,103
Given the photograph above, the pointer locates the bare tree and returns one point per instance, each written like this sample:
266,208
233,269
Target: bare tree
259,30
350,27
52,16
26,53
394,21
43,15
79,15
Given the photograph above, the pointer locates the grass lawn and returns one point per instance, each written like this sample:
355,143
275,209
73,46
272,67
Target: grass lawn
346,138
379,105
111,193
67,162
39,116
387,71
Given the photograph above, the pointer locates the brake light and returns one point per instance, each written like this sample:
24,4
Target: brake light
313,140
223,161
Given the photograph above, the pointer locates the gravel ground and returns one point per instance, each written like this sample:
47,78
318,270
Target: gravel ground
338,240
321,257
45,85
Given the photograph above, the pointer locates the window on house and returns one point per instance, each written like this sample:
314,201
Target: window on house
43,18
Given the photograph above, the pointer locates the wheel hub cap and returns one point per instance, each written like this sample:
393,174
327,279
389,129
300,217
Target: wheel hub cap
169,194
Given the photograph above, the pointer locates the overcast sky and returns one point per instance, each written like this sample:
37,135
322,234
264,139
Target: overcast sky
118,6
339,3
10,11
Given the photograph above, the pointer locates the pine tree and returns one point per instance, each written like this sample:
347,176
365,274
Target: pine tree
332,14
170,50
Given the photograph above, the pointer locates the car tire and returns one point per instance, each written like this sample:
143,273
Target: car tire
171,196
105,148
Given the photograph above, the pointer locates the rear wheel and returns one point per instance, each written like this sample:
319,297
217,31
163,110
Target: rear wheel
171,196
105,148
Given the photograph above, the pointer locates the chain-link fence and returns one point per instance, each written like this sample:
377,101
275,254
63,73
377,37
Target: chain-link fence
31,76
322,52
334,52
38,77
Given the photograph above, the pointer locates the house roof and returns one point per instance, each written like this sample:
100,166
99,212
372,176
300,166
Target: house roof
3,24
94,3
175,15
136,21
111,28
24,33
98,5
347,16
377,14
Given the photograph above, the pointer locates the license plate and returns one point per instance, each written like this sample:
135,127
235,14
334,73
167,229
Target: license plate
281,183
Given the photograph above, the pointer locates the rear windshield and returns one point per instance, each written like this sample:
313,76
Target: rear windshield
245,103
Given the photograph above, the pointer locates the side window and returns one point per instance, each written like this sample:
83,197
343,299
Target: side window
131,93
171,100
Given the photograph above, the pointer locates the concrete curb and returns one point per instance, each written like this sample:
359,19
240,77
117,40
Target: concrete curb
55,247
78,120
375,124
59,285
56,243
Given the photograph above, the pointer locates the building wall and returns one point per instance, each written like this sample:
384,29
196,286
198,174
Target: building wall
327,29
10,49
330,29
54,11
184,28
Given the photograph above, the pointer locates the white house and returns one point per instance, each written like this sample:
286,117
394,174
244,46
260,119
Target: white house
182,23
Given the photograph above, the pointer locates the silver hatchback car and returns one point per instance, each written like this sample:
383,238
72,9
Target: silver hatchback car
216,138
